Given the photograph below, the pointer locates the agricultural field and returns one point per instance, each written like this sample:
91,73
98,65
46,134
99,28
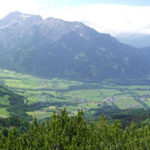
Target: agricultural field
46,95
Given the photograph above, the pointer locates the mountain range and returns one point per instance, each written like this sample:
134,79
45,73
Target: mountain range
56,48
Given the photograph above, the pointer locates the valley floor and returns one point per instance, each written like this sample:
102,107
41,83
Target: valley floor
45,96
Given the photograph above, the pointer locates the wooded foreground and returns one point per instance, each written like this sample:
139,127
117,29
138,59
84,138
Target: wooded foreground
63,132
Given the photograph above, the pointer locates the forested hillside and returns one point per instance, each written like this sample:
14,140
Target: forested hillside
11,104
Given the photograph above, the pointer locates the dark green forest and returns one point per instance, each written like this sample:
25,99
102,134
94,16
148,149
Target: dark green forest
63,132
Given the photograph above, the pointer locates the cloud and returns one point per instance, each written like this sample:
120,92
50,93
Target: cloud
112,19
106,18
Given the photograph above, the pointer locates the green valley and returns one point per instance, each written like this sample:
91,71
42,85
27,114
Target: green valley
43,96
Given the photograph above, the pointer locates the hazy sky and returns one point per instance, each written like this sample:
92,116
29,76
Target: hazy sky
110,16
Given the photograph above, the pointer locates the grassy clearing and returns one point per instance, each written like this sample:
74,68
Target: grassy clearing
4,113
40,114
4,100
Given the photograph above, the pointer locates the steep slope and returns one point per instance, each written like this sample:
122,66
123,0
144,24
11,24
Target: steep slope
11,104
56,48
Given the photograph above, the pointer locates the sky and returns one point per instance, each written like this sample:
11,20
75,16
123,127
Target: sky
108,16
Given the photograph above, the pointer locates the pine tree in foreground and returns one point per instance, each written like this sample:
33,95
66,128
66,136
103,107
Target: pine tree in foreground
73,133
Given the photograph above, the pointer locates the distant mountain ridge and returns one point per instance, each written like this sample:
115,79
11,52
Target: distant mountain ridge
135,40
56,48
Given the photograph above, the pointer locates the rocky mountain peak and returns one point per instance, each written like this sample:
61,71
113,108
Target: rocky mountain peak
19,18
